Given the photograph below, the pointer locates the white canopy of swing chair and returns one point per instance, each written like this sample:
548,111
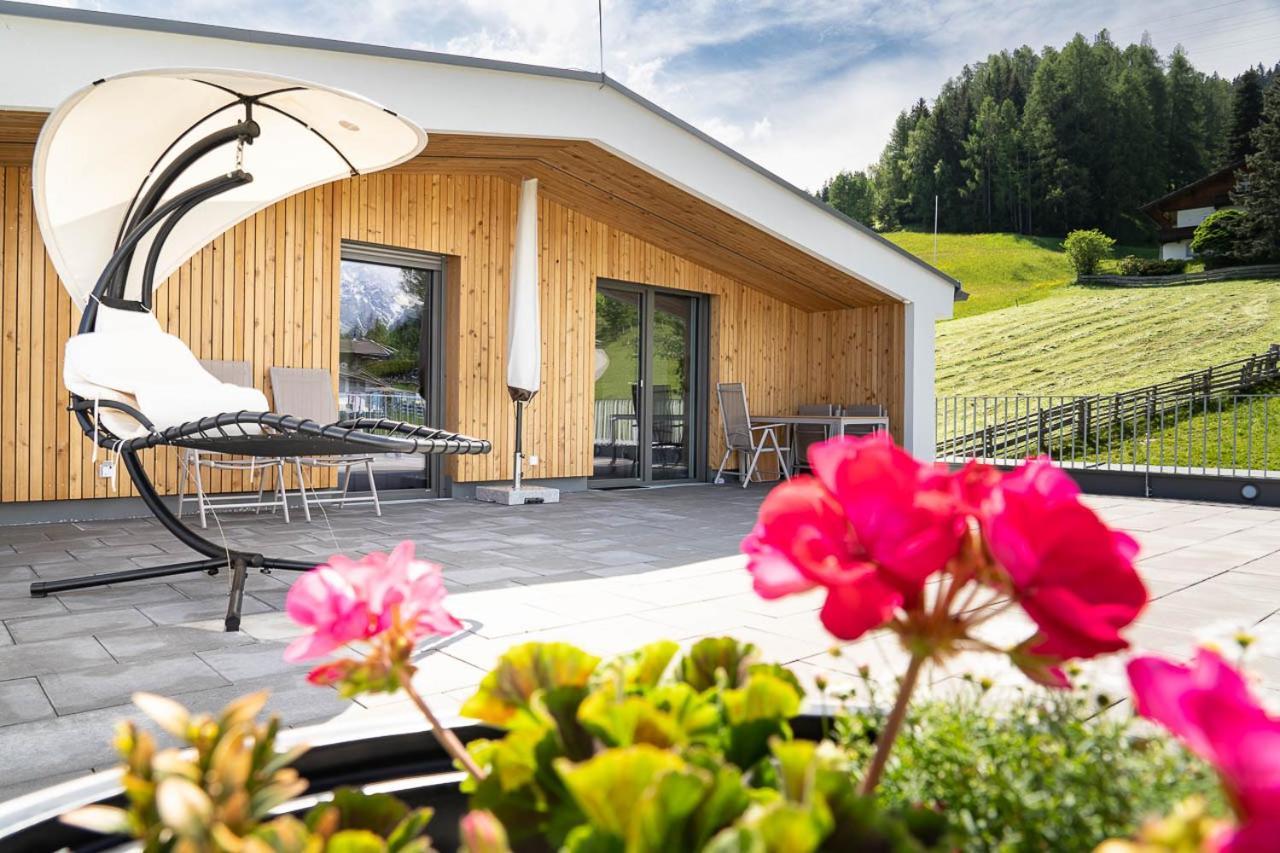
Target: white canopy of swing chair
96,157
99,150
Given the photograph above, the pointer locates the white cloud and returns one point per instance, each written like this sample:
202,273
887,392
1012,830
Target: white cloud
805,88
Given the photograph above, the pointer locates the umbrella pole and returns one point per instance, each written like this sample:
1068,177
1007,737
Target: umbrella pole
519,454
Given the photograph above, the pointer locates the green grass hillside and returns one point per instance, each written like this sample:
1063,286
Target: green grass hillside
1079,340
999,270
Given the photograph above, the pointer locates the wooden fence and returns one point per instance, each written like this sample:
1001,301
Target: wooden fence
1207,277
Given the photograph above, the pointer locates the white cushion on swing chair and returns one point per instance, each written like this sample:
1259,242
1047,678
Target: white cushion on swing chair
130,359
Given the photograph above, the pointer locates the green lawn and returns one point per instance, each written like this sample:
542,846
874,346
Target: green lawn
999,270
1082,340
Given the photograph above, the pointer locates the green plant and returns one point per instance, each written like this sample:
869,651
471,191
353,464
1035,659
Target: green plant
1086,248
219,793
1215,238
1133,265
1040,771
622,756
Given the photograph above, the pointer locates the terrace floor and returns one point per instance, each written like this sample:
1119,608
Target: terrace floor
605,570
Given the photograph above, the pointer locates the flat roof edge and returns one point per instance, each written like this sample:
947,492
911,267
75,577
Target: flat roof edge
216,31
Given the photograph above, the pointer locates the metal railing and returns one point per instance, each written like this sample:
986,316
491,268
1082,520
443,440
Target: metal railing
1218,434
404,406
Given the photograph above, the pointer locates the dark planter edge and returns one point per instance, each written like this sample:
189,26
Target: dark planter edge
338,755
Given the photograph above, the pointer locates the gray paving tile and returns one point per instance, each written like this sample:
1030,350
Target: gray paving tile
243,663
25,659
489,574
17,608
36,559
297,702
76,624
56,747
6,639
112,684
196,610
215,586
22,701
114,552
158,641
122,595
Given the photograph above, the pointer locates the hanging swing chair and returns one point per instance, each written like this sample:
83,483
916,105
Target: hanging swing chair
132,176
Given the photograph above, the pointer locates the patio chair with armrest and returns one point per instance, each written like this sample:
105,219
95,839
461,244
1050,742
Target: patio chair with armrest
129,166
744,438
308,392
193,463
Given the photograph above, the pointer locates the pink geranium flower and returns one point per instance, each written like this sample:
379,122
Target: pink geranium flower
346,600
1072,574
869,529
802,541
899,509
1209,706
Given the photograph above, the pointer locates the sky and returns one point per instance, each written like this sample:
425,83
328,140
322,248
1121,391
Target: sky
804,87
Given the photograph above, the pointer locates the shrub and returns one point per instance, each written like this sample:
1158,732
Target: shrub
1086,248
1133,265
1039,772
1216,237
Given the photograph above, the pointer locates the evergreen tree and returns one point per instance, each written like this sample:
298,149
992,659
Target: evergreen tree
1184,127
1258,187
1246,113
852,194
1046,142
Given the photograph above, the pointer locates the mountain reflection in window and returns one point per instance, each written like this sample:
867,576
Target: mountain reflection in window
381,323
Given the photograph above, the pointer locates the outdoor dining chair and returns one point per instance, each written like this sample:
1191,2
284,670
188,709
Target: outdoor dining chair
865,410
193,462
744,438
308,392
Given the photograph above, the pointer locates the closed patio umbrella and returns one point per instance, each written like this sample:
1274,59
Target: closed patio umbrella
524,325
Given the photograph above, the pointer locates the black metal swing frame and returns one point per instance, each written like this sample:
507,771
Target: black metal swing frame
272,434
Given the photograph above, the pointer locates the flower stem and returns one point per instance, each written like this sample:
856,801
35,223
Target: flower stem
884,743
444,735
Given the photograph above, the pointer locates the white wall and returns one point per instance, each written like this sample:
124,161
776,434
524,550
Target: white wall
1193,216
1176,250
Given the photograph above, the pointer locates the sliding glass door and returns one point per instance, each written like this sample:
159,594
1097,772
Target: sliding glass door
390,364
648,385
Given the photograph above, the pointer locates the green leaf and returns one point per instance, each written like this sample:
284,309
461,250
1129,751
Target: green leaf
765,697
380,814
791,828
639,794
644,667
716,661
285,834
410,830
628,721
506,694
355,841
796,767
722,804
736,839
587,839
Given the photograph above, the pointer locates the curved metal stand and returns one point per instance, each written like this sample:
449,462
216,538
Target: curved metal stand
216,556
241,433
